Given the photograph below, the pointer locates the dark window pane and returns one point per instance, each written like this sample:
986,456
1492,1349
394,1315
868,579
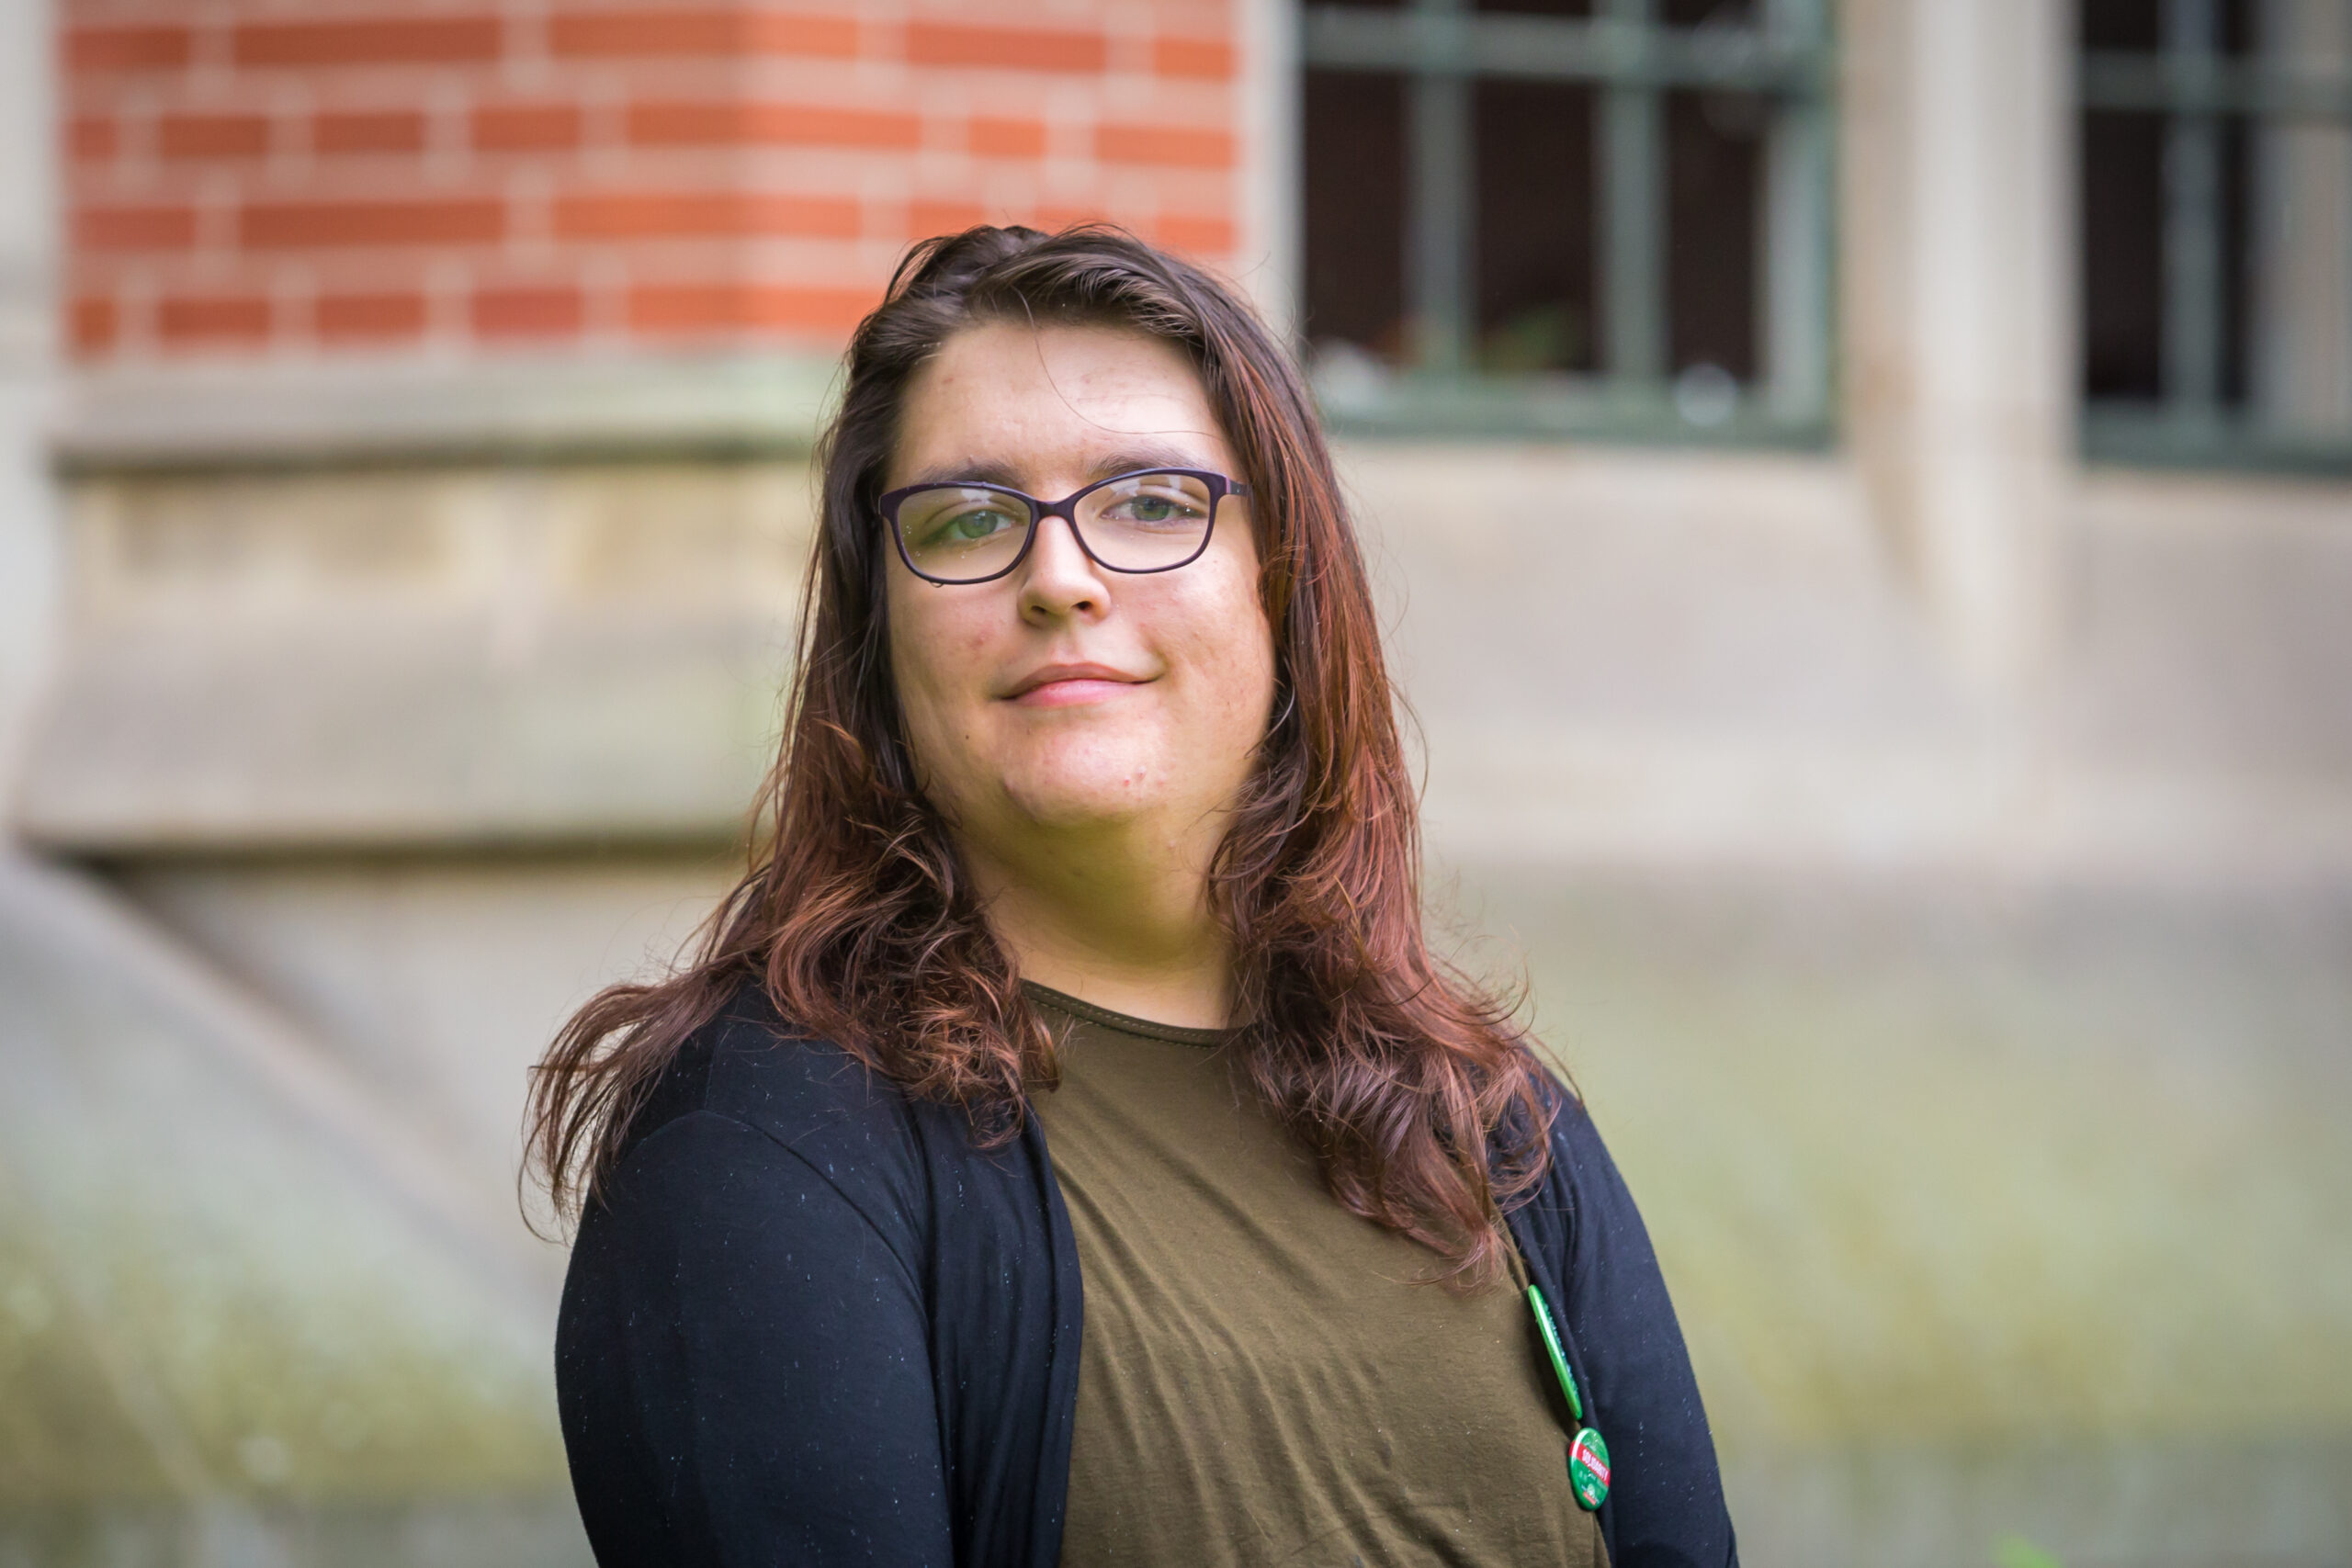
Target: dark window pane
2125,260
1535,239
1707,13
1714,165
2123,232
2138,25
2123,24
1535,7
1354,155
2238,25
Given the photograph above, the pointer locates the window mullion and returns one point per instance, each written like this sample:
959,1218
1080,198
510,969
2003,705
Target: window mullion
1440,209
1795,245
1633,176
2192,244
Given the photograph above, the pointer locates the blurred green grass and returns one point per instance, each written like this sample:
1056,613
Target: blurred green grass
225,1337
1987,1209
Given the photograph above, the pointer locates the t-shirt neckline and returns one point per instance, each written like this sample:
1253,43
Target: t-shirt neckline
1123,1023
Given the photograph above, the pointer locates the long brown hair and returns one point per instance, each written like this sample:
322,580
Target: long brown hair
1414,1089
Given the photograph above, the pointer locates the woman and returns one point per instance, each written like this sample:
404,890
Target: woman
1064,1146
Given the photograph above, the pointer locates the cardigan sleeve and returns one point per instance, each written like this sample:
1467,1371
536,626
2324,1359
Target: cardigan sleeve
742,1366
1668,1498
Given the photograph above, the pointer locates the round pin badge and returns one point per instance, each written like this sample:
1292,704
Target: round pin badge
1588,1468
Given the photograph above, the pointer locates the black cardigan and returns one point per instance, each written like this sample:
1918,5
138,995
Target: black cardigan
807,1322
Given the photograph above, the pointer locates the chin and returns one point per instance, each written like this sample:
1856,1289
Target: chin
1078,796
1070,776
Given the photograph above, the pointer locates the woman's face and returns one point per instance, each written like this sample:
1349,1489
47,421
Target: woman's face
1065,696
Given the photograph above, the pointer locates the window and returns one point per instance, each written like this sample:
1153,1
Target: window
2217,230
1607,217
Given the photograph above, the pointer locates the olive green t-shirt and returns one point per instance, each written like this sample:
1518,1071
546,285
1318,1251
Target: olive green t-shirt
1259,1380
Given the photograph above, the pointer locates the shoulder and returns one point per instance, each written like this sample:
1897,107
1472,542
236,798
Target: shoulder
1582,1201
1576,1141
749,1077
1572,1142
750,1065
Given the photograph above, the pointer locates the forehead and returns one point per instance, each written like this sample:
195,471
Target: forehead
1048,400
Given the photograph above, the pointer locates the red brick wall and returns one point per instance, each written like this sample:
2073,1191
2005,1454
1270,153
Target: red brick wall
291,176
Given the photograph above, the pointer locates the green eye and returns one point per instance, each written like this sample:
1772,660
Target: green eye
978,526
1147,507
967,527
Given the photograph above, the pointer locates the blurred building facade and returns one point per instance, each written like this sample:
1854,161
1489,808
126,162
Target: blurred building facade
1901,436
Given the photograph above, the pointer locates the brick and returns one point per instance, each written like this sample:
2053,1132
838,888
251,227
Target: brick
221,136
1053,219
1203,235
213,319
1207,59
93,138
722,124
343,318
378,40
97,50
94,324
688,309
305,225
388,131
992,138
925,219
1164,145
1019,48
526,128
135,228
555,312
723,31
647,215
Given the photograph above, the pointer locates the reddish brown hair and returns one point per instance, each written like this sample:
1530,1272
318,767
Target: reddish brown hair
858,921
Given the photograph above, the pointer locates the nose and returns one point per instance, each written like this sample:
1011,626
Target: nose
1059,581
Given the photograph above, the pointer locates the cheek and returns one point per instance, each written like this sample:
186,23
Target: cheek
935,658
1227,642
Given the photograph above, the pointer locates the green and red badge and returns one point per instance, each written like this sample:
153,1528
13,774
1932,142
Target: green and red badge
1588,1468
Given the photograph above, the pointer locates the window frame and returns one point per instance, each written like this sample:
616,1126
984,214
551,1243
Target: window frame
2190,81
1438,49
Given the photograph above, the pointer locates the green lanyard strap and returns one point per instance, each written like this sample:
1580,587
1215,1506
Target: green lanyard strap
1542,1311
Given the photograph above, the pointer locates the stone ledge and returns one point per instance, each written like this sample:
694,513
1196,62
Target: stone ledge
542,408
1955,802
415,739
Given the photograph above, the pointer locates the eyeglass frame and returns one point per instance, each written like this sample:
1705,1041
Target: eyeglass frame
1218,486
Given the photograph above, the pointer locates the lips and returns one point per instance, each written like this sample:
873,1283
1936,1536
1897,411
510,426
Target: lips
1070,682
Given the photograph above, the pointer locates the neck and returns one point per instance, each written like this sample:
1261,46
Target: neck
1118,916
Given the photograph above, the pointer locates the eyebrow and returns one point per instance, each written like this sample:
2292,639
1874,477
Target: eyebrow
1125,460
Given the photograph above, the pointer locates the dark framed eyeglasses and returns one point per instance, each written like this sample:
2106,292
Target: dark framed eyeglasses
1151,520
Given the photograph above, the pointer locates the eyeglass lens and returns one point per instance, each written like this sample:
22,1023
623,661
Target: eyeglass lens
1137,523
